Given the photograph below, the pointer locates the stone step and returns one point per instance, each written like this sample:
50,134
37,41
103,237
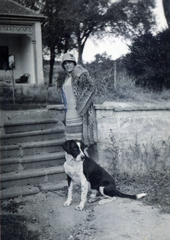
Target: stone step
21,191
14,192
33,136
32,162
32,125
33,148
32,177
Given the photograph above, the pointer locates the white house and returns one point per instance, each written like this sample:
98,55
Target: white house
20,43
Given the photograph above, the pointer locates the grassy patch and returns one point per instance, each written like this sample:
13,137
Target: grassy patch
156,185
125,90
14,225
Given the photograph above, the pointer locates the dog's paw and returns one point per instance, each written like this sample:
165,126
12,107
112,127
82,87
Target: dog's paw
79,207
67,204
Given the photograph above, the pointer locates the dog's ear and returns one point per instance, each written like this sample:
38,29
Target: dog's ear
83,146
67,146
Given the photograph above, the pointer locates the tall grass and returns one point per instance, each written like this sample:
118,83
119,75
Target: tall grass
107,90
139,158
124,89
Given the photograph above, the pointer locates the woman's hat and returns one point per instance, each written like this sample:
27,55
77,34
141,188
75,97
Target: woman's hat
68,57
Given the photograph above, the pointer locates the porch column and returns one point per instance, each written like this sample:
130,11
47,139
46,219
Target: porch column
37,43
35,61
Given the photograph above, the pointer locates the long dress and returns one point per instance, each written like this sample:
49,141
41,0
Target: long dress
74,122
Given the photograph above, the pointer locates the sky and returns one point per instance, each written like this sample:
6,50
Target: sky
116,47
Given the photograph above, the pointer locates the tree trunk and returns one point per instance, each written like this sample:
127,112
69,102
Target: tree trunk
52,60
166,7
80,54
81,44
80,49
66,45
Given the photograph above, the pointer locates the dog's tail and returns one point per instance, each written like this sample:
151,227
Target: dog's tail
137,196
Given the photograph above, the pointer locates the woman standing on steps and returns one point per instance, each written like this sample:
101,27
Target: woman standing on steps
77,91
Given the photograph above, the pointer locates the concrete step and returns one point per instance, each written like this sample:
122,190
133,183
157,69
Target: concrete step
33,136
32,125
31,153
21,191
32,177
33,148
32,162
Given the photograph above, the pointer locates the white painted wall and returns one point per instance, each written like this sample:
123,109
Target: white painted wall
27,58
133,138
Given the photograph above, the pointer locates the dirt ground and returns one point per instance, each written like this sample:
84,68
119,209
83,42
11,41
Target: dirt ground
42,216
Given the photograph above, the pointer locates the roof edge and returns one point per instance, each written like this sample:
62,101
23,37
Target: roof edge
22,17
26,8
27,13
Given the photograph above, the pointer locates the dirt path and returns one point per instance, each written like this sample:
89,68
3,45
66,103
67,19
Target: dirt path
46,218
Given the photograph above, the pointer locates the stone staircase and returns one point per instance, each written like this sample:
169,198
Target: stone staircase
31,154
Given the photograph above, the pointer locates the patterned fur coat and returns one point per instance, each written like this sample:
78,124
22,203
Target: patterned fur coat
83,88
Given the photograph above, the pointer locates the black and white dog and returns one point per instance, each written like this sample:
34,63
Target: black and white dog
88,174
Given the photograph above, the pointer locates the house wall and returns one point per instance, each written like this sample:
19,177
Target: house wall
27,58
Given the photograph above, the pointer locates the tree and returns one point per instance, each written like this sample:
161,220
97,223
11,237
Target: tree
56,37
148,60
166,6
70,23
98,17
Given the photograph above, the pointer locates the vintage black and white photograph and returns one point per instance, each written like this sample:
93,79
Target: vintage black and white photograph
85,119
